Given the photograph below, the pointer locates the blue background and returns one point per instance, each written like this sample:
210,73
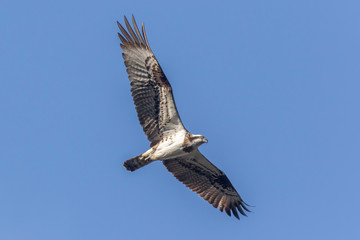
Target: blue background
273,85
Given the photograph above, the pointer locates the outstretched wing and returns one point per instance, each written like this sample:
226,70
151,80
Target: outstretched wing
151,91
202,177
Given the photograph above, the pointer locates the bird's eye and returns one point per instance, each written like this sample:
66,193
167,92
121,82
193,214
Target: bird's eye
202,137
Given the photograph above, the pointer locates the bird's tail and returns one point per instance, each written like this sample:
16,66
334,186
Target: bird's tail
136,162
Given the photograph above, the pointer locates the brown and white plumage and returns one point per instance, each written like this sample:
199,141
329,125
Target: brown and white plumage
151,91
170,141
202,177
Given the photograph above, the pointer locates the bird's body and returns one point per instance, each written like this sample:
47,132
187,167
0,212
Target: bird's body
175,145
170,147
171,143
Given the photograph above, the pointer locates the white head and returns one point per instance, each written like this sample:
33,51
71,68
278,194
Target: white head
197,140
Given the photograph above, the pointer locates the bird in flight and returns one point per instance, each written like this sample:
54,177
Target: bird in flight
171,143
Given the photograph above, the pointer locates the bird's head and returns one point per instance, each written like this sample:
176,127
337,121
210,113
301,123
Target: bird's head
197,140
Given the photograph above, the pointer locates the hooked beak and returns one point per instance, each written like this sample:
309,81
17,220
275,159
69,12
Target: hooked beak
205,140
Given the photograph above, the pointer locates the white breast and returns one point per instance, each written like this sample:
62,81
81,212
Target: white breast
170,147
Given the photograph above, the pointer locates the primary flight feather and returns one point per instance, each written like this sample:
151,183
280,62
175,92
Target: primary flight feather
171,143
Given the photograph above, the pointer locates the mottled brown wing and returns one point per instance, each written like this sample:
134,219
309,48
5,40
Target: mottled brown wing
202,177
151,91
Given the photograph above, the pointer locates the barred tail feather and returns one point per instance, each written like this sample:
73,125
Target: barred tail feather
136,162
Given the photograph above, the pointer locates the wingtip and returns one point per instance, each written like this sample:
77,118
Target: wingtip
118,24
228,212
244,205
235,213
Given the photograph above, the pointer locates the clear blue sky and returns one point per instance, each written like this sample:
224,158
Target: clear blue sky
273,85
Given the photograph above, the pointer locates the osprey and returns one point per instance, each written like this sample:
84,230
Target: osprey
171,143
